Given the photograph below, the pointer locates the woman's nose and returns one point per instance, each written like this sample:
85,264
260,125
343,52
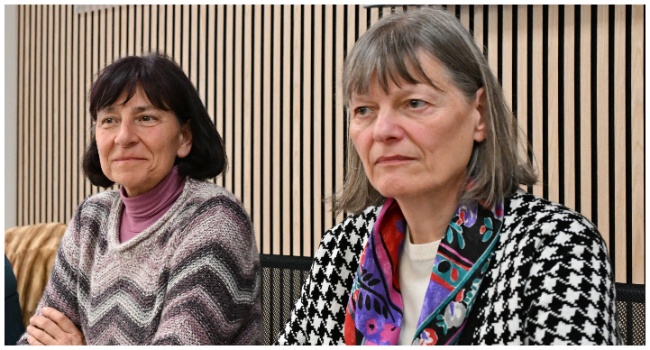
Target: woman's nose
126,134
387,126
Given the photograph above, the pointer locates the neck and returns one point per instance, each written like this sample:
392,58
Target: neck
142,211
428,216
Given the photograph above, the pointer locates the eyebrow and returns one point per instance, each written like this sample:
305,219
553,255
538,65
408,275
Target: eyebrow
137,109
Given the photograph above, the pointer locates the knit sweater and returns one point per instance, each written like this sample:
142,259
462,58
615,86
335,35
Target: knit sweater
193,277
549,282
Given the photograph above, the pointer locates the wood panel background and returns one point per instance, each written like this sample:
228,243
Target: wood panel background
268,74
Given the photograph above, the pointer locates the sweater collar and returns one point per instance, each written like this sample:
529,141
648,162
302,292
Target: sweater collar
155,201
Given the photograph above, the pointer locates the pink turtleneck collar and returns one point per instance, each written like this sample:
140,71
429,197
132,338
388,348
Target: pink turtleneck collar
142,211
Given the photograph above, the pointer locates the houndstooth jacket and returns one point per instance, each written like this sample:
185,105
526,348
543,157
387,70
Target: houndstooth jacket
550,282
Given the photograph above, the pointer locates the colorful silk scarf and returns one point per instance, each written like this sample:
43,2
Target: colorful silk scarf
374,311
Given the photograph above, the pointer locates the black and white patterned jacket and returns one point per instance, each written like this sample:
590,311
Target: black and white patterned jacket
550,282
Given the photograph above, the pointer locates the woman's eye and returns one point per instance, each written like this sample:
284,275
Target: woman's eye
361,111
148,120
106,122
416,103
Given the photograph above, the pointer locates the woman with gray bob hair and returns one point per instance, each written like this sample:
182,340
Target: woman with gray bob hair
496,165
444,247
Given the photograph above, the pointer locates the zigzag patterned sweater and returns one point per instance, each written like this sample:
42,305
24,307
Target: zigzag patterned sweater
190,278
550,282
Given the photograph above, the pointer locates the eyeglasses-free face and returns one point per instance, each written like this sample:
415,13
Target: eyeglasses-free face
138,143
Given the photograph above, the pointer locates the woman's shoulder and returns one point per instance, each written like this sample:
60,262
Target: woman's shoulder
357,224
207,193
99,202
207,190
544,218
208,197
351,233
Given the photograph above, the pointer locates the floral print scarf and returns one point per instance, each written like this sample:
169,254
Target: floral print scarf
374,311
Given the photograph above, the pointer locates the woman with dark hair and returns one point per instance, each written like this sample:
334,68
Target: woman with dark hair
169,258
443,246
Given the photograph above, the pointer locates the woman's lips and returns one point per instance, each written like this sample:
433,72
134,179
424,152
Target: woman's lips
126,159
392,159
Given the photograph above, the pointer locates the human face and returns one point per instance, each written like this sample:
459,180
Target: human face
138,143
415,140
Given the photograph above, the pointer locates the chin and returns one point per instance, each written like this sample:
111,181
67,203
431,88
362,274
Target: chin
393,191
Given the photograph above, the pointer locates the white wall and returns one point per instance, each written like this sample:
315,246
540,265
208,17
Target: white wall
10,114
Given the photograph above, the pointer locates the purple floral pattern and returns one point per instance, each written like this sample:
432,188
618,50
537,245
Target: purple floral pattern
374,311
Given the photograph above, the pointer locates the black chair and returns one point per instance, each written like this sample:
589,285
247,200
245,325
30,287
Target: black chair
630,305
282,280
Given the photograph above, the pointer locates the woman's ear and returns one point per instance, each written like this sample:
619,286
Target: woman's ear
185,145
480,128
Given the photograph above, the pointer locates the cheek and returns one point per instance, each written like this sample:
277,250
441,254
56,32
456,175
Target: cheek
359,140
103,147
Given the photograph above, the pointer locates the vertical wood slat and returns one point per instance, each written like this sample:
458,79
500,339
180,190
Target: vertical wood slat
537,106
328,136
76,101
317,161
267,159
278,66
286,117
246,138
54,98
552,136
145,28
59,130
492,35
38,113
47,113
602,126
296,135
23,85
638,143
522,76
585,111
186,40
69,94
620,167
29,115
277,231
235,115
337,115
219,86
229,90
569,107
507,54
121,41
137,30
257,146
161,30
90,51
200,52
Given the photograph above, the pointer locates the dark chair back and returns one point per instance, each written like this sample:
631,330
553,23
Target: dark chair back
282,280
630,305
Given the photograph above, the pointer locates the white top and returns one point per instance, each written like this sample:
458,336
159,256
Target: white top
415,266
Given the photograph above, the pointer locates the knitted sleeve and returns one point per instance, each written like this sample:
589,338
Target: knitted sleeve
213,288
60,291
318,315
570,288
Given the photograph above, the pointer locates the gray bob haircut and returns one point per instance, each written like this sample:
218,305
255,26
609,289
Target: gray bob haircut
390,50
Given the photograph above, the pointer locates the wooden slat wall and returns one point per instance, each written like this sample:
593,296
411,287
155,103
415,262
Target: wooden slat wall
269,75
